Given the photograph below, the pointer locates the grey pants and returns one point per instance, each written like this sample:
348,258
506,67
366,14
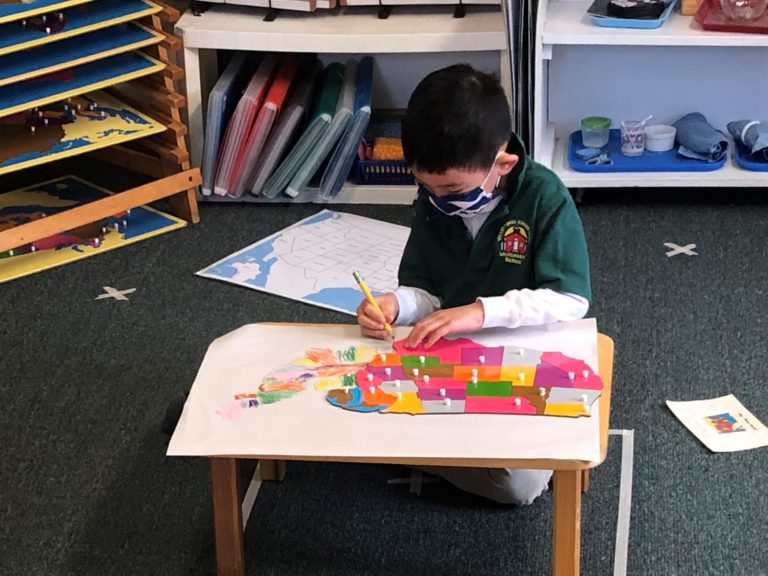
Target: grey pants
505,485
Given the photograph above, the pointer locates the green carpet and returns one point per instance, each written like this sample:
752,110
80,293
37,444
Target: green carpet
85,487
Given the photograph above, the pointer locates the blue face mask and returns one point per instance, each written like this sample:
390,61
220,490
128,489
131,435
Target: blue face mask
462,203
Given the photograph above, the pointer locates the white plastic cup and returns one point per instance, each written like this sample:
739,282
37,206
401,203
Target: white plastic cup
632,137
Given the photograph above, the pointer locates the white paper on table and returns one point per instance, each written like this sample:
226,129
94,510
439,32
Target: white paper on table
307,425
721,424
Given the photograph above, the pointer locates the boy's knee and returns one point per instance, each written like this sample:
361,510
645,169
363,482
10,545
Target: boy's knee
504,485
517,486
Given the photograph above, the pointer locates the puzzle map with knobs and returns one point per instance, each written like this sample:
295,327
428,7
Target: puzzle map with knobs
454,376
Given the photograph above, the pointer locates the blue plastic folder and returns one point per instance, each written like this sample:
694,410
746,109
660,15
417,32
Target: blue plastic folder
221,103
323,109
344,154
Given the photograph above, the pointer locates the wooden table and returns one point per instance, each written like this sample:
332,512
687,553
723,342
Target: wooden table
571,479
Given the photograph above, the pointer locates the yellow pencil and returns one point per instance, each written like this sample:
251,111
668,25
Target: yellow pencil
370,298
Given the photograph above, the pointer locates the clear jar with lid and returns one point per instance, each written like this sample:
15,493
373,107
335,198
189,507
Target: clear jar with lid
595,131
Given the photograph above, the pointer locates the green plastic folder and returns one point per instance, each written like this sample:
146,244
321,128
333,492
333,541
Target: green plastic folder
328,95
341,118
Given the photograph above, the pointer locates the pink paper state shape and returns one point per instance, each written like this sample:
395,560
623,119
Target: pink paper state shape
565,362
448,351
591,382
437,383
492,356
452,393
498,405
549,376
362,379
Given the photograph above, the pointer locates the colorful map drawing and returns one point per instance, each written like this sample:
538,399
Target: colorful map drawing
322,367
312,261
455,376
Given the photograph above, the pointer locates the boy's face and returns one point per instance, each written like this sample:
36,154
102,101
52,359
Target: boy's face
457,180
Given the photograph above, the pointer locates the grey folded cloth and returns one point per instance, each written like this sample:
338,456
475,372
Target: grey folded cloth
697,139
753,135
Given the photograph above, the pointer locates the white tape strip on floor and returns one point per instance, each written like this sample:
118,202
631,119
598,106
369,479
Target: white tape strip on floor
625,500
250,494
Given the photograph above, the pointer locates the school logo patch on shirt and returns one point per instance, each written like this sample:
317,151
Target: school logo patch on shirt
513,241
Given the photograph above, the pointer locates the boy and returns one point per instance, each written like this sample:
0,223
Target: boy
480,255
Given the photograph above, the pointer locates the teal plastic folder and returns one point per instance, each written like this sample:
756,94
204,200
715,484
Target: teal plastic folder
343,156
341,118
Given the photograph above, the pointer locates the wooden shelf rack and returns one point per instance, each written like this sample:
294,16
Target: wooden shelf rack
160,153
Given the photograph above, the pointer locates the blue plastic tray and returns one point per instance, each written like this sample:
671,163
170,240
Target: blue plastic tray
611,22
669,161
746,161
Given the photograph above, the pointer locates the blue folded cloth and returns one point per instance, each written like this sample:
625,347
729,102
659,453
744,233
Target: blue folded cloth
753,135
587,153
697,139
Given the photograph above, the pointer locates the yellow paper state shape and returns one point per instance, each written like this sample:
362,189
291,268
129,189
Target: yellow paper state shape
512,374
566,409
408,403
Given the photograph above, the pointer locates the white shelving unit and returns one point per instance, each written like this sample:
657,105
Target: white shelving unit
408,31
582,70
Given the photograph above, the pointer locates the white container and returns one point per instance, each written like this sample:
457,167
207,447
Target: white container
632,137
660,137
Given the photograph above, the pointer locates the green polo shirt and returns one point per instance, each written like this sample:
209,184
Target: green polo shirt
532,239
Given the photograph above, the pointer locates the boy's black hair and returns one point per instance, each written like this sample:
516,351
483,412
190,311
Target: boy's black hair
457,117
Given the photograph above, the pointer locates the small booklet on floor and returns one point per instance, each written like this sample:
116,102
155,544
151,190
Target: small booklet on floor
722,424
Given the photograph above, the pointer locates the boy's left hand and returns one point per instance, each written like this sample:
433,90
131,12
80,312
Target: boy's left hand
467,318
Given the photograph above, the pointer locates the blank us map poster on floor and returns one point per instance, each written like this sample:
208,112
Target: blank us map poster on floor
312,261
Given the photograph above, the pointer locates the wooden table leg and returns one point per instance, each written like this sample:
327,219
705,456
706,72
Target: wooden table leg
584,481
273,470
227,517
566,531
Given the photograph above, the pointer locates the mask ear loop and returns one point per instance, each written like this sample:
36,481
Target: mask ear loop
493,192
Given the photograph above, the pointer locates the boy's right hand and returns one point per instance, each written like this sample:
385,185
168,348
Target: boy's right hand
372,321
